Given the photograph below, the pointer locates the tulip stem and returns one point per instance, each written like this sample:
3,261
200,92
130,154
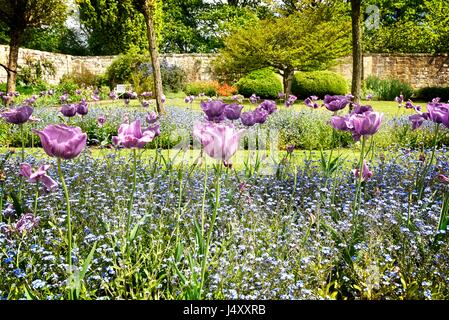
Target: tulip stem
35,199
69,224
131,198
23,142
211,228
429,164
358,192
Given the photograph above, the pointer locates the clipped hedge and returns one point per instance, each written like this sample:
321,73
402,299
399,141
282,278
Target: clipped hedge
429,93
264,83
318,83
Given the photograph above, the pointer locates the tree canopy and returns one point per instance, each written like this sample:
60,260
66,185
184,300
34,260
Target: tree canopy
19,16
410,26
300,41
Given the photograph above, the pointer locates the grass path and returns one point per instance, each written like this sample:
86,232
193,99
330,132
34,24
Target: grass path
189,157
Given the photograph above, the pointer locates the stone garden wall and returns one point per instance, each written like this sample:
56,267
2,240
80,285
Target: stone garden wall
197,66
418,69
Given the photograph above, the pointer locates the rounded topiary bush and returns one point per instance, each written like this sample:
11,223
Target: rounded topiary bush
429,93
318,83
264,83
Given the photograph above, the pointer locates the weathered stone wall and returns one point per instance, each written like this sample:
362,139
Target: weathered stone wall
419,70
197,66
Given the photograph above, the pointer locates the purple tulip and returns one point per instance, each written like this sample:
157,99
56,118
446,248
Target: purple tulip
6,99
189,99
365,124
358,109
62,141
214,110
341,123
418,119
163,98
146,94
64,98
260,115
254,99
399,99
366,173
69,110
269,106
51,92
156,129
152,117
409,104
131,135
247,119
369,97
290,101
113,95
145,103
233,111
95,97
236,97
126,102
101,120
281,95
26,223
82,108
335,103
30,101
439,113
40,175
17,115
220,141
78,92
132,95
290,148
310,102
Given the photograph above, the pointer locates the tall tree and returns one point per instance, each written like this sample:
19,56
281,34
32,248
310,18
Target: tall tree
409,26
357,55
306,40
21,15
112,26
149,9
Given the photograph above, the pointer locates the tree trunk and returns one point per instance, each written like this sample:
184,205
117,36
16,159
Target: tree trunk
357,55
287,78
148,12
14,45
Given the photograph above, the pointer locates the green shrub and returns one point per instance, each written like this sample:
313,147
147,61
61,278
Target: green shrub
209,88
388,89
22,89
318,83
429,93
32,71
68,85
264,83
137,70
83,78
